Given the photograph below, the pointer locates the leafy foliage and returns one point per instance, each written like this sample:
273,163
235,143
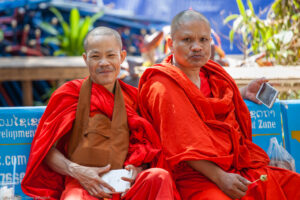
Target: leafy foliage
71,39
278,36
1,35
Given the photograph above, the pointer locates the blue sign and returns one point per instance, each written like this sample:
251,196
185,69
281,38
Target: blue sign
290,113
266,123
17,128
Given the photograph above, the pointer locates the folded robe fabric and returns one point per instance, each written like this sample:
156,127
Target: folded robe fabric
57,121
194,127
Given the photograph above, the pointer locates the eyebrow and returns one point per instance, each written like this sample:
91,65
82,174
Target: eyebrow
111,51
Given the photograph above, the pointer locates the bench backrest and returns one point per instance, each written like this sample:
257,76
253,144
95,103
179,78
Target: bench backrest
18,125
291,124
266,123
17,128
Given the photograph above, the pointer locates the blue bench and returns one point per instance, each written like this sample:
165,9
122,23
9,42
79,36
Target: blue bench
266,123
17,127
291,113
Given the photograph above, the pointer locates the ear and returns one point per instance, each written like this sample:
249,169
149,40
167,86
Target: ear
84,56
123,55
170,44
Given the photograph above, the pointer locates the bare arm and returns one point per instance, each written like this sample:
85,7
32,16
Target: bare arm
58,162
234,185
88,177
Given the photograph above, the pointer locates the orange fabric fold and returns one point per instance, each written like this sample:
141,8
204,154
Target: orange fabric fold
194,127
57,121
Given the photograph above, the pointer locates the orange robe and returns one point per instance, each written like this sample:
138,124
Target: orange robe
217,128
41,182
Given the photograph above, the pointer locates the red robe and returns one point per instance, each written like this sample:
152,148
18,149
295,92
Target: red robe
57,121
217,129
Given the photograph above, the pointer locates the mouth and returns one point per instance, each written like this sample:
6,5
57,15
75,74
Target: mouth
196,56
103,71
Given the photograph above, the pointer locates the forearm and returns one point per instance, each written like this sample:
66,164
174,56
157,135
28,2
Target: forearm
58,162
243,91
208,169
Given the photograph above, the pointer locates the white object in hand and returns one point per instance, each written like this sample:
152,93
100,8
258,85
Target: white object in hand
113,178
6,193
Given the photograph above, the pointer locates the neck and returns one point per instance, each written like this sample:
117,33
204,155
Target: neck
191,73
110,87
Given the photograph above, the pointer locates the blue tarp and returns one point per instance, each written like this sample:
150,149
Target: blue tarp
156,12
165,10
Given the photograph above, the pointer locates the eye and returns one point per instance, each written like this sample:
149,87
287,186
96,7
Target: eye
187,39
94,56
111,55
203,39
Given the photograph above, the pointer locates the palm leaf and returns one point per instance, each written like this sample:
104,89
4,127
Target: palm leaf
231,37
74,27
241,8
230,17
61,20
96,16
60,52
48,28
1,35
250,5
53,40
83,31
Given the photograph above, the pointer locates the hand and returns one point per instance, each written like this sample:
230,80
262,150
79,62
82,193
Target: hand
135,172
250,91
233,185
89,178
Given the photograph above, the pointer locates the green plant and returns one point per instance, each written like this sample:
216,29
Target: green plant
285,16
290,94
277,36
71,39
1,35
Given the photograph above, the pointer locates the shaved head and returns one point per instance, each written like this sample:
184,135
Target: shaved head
101,30
185,16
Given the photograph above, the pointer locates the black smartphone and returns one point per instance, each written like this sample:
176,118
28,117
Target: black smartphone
267,94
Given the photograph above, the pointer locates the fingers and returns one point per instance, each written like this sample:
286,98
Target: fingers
134,171
104,184
130,167
243,184
124,193
104,169
244,180
239,187
131,180
263,79
238,194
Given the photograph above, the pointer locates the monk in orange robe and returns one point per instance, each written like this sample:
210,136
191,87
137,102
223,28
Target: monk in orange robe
204,124
52,174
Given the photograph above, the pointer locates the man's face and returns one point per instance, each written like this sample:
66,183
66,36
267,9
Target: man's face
103,57
190,44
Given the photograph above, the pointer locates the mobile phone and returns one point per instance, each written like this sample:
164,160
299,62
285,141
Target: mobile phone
267,94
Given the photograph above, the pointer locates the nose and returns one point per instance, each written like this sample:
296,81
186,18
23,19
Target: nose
103,62
196,46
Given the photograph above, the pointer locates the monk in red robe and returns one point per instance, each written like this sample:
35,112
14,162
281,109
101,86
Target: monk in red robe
89,127
204,124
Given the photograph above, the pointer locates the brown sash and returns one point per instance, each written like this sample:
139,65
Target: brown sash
97,141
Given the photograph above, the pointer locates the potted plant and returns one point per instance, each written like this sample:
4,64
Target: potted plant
70,41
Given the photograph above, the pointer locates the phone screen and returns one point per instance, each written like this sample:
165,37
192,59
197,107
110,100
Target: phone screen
267,94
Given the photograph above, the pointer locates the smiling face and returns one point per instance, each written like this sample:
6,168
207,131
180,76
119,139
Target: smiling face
103,57
190,44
